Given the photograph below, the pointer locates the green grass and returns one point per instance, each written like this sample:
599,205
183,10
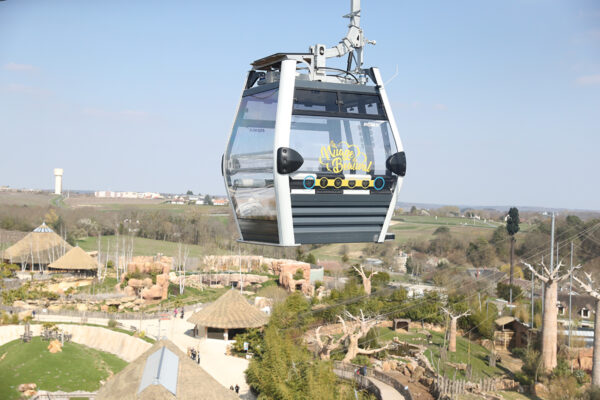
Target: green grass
144,247
477,357
189,296
108,285
77,367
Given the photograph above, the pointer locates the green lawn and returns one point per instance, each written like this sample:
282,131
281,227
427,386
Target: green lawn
480,366
144,247
77,367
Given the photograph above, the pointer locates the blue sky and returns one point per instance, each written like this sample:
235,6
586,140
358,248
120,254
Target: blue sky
497,102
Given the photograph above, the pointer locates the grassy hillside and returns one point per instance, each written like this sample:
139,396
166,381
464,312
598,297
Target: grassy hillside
143,247
77,367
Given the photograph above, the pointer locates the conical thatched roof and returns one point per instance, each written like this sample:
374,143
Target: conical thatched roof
42,246
156,372
75,259
230,311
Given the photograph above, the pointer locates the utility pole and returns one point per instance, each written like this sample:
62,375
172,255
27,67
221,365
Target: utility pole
570,293
240,259
532,301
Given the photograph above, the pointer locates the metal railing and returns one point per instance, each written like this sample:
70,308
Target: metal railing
362,381
379,375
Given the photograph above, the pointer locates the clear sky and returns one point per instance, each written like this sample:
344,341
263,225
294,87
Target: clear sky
497,102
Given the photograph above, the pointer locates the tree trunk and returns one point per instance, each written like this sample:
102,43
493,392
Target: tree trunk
367,285
352,349
512,262
549,327
596,356
452,336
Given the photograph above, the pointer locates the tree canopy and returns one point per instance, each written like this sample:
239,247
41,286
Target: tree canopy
512,221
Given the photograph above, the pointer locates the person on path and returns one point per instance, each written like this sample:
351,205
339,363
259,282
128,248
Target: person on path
175,312
237,388
230,387
182,311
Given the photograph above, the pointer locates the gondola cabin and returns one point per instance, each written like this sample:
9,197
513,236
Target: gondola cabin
314,155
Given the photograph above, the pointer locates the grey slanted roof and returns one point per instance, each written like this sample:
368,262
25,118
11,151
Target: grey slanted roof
193,382
161,369
230,311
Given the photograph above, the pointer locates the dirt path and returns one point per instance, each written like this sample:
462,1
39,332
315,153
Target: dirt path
417,390
509,362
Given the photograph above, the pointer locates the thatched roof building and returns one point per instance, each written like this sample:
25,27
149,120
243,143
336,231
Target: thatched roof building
163,373
75,260
40,247
230,311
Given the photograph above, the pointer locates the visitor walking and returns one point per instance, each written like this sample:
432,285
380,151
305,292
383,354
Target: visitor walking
175,312
237,388
182,311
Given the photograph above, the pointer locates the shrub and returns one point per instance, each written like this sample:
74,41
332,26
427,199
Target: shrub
361,359
523,378
299,274
503,291
582,377
592,393
14,319
112,323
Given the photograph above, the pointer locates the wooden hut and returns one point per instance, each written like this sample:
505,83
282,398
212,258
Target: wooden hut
37,249
163,372
227,316
510,333
75,261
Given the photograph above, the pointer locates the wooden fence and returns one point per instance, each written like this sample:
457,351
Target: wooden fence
451,387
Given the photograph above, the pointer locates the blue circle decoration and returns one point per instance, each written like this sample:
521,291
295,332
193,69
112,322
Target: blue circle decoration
314,181
379,178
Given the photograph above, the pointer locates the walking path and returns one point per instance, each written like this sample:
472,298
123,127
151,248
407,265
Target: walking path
386,391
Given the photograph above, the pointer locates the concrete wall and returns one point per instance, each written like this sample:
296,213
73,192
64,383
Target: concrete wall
122,345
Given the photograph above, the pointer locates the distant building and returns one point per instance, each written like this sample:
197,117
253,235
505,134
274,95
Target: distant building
128,195
220,201
58,174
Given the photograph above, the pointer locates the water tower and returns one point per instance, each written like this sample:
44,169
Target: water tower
58,173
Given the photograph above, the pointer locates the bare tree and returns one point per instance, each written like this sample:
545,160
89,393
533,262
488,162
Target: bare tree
358,329
551,280
325,347
453,324
182,258
366,280
588,286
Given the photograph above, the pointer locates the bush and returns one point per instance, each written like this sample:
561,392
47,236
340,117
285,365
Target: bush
299,275
582,377
14,319
112,323
503,291
361,359
523,378
592,393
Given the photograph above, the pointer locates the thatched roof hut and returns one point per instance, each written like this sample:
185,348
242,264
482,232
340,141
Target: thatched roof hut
75,260
41,247
163,372
230,311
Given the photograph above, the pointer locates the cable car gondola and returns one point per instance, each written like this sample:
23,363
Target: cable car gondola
314,155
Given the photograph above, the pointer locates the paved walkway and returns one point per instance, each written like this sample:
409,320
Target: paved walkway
227,370
387,392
